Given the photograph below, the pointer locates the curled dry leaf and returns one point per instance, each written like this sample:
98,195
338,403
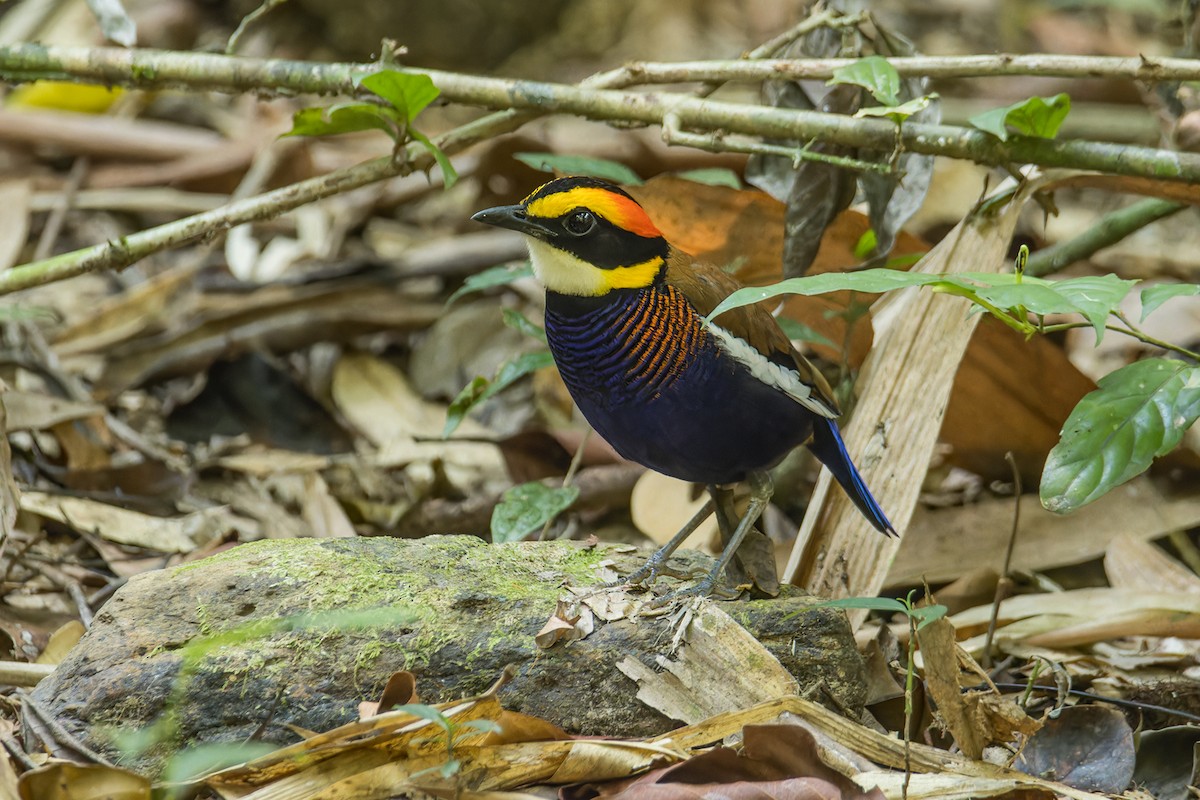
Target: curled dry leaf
67,781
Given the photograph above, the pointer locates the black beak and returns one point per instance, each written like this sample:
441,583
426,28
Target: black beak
513,218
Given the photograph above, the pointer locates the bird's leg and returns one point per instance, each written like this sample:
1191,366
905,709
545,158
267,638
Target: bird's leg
761,490
656,564
723,508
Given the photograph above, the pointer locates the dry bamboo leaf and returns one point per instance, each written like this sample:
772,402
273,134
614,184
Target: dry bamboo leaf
121,317
720,668
1143,622
162,534
30,411
108,136
352,747
15,197
262,462
1084,604
1133,563
947,786
921,337
940,544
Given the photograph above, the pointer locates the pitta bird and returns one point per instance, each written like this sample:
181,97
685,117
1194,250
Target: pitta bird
708,402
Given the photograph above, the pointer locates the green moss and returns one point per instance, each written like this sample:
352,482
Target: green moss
340,577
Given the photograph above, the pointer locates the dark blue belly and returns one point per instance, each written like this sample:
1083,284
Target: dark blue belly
659,389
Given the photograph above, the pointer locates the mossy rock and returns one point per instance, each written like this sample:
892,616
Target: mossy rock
297,632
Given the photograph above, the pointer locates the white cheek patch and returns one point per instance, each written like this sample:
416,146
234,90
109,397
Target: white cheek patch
562,272
770,373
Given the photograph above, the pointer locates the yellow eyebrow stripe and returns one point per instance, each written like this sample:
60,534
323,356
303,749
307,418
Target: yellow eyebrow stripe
616,208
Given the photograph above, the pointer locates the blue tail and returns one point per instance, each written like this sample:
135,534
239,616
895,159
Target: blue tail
827,445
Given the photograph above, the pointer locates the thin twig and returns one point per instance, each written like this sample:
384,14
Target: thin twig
1005,584
199,71
1136,333
1109,230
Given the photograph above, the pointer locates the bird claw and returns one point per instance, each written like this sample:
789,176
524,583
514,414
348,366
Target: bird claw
708,587
649,572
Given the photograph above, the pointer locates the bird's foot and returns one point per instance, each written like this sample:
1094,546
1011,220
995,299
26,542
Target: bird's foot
649,572
710,586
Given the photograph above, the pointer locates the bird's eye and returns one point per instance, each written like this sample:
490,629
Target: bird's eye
580,222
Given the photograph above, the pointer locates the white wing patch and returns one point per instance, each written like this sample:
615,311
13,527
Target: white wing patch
770,373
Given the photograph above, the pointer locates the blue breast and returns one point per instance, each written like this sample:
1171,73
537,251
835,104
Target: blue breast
657,386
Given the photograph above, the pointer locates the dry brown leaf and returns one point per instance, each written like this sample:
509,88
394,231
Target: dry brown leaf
61,641
1133,563
1087,747
30,411
379,401
163,534
67,781
940,659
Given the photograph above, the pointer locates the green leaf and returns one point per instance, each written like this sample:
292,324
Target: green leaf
449,174
1140,412
519,322
491,278
798,331
712,176
470,396
873,73
1155,296
527,507
865,244
580,165
519,367
481,389
344,118
408,93
898,113
868,280
927,614
1037,116
19,313
1093,297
